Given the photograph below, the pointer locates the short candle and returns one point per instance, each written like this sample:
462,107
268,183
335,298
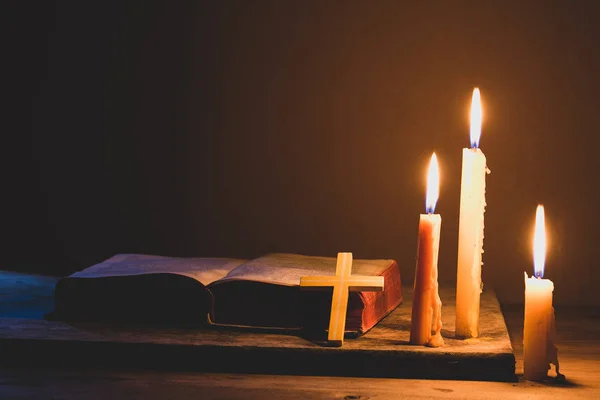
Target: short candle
539,331
427,306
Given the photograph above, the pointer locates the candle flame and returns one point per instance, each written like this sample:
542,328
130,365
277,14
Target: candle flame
476,118
433,185
539,243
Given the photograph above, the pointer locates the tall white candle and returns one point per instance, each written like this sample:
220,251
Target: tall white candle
538,333
470,229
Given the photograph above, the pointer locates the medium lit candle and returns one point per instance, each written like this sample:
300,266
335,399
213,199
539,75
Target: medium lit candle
470,229
538,334
427,306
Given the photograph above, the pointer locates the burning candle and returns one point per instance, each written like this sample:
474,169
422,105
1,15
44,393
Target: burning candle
539,332
427,306
470,229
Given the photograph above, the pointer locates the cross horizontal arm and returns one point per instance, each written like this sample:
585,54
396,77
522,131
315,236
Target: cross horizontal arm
357,283
319,281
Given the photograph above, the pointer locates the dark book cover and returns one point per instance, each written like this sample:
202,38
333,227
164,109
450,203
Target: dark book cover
259,293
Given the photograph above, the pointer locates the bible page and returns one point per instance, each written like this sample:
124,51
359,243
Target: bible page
204,270
287,269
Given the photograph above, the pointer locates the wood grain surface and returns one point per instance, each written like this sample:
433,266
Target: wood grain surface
578,331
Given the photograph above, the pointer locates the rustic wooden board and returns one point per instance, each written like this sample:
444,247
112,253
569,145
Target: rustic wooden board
382,352
579,351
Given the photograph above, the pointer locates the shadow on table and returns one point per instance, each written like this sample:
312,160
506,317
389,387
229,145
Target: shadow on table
552,382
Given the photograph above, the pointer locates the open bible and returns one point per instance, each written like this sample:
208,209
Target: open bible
263,292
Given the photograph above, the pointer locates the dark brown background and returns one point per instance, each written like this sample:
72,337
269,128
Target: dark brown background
237,128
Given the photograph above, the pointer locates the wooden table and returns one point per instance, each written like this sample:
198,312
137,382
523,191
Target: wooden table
578,332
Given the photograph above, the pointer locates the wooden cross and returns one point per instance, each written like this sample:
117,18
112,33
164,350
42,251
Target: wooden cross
342,283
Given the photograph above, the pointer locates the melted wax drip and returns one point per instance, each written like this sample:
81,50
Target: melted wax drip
436,340
552,350
487,171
